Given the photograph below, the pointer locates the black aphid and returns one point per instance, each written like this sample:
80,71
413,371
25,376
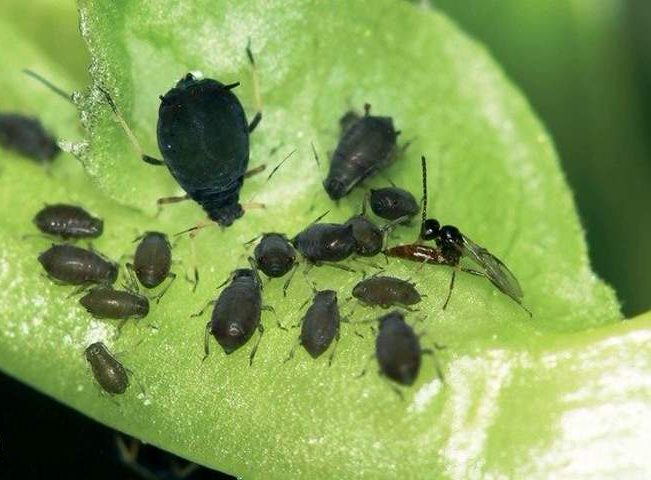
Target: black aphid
153,261
109,373
386,292
106,302
369,238
236,314
393,203
27,136
274,255
320,325
367,145
203,136
325,242
68,221
451,246
397,349
77,266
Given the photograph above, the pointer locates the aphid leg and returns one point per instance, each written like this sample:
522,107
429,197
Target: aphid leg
292,352
168,200
447,299
255,171
256,88
255,348
127,130
135,377
206,341
253,240
368,263
289,279
280,164
395,389
339,266
84,287
132,281
437,365
171,276
203,310
334,349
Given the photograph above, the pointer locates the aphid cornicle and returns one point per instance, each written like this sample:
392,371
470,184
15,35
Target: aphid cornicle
367,145
106,302
68,221
27,136
236,314
386,292
77,266
393,203
107,370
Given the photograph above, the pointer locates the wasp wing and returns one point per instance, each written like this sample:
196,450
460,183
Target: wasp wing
494,268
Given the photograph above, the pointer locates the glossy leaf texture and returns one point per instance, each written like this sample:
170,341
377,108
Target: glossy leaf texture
515,387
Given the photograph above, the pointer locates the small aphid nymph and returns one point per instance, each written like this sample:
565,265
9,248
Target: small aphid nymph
26,136
68,221
109,373
367,145
386,292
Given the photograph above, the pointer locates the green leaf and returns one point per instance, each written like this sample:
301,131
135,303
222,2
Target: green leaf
493,173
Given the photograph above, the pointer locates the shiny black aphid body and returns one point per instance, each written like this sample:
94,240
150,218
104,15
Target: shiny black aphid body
274,255
109,373
153,259
386,292
68,221
27,136
203,136
397,349
325,242
367,144
320,323
392,203
77,266
105,302
237,312
369,238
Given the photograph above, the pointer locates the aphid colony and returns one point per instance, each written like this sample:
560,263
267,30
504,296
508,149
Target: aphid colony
210,163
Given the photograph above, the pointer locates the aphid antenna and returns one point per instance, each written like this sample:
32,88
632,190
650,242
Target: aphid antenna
256,87
59,91
127,130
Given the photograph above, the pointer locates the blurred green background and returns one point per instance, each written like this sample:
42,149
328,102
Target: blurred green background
585,66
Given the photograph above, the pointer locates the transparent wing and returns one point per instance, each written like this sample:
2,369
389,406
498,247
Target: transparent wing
494,268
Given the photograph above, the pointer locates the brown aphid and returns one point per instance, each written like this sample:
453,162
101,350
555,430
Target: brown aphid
77,266
107,370
68,221
106,302
386,292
